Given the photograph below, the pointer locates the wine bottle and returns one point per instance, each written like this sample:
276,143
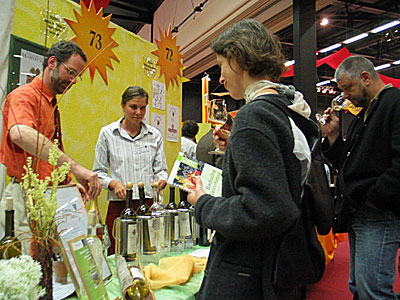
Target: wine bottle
144,213
139,289
156,207
183,204
171,204
160,216
204,236
185,226
194,226
101,229
132,282
173,220
129,228
10,246
95,245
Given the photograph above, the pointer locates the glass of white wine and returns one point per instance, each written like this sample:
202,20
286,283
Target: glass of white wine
217,116
338,103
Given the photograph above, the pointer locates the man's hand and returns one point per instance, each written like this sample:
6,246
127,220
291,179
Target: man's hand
221,138
331,126
88,179
28,138
84,195
198,192
118,188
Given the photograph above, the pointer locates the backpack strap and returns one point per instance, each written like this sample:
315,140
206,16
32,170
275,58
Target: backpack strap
310,129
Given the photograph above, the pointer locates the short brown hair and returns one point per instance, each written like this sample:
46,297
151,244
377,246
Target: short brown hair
253,47
63,50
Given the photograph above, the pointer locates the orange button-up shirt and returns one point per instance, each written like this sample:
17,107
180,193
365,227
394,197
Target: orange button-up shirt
28,105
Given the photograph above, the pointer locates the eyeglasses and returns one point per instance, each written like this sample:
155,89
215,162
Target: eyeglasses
72,73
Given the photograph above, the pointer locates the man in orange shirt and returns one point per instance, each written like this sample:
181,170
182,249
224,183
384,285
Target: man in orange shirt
31,123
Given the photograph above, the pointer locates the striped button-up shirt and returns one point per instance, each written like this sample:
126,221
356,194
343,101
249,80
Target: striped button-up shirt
124,158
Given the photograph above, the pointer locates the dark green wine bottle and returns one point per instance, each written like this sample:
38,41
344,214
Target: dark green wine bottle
144,213
10,246
129,230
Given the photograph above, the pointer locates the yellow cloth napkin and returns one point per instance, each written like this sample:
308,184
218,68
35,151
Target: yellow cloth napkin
173,270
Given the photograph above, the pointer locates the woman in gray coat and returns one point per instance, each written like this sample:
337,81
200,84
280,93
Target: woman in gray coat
265,162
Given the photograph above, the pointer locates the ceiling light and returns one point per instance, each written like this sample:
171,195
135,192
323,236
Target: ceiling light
323,82
386,26
397,62
355,38
330,48
384,66
324,22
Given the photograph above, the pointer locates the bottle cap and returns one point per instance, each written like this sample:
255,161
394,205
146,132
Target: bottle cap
154,185
140,184
9,203
129,185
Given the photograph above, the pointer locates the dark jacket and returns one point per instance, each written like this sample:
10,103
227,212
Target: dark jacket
205,145
261,178
369,160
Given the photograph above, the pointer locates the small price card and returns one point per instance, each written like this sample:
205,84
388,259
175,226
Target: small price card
88,273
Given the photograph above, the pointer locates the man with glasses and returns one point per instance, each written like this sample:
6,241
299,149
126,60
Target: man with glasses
31,123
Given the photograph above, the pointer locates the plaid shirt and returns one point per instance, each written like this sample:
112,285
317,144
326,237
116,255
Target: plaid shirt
138,159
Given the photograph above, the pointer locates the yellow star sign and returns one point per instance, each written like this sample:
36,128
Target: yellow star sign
94,37
169,58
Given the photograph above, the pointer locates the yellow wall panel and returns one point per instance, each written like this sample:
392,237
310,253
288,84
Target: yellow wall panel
88,106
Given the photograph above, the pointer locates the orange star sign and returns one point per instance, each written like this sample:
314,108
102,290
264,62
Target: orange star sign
94,37
169,58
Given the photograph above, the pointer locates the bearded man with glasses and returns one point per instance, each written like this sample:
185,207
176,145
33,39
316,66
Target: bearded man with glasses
31,119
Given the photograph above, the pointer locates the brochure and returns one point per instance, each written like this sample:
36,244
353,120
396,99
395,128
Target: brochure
185,170
93,284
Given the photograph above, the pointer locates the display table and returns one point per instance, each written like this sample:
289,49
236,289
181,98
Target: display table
177,292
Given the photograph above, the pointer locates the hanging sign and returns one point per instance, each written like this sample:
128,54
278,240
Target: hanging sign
94,37
169,58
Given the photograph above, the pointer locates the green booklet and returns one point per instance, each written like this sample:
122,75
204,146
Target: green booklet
93,284
185,170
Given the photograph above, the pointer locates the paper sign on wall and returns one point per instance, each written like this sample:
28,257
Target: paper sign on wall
158,121
31,66
172,123
158,95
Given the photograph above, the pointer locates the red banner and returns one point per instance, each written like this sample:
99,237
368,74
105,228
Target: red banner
98,4
334,61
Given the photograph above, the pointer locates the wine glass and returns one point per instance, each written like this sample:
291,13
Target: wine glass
320,118
217,116
338,103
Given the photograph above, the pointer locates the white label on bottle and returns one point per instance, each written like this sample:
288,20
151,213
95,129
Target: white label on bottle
136,273
176,228
208,234
131,237
152,232
184,224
